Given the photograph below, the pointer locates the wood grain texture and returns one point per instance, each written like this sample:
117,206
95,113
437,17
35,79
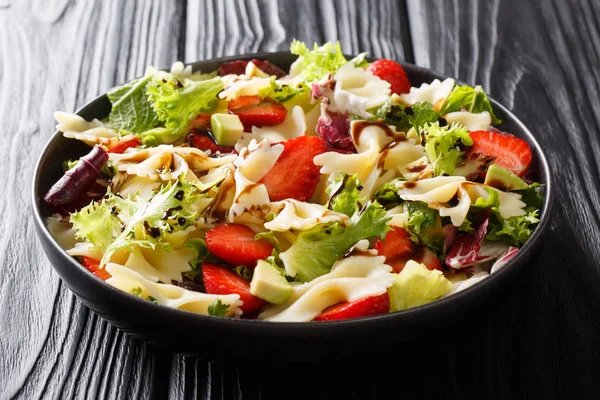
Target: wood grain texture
58,55
540,59
539,340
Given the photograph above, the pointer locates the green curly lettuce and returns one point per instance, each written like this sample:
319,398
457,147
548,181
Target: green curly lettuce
131,111
443,146
315,64
344,194
177,103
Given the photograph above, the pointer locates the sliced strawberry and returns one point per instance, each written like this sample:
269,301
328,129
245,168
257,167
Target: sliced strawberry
124,145
391,71
425,256
369,306
94,267
235,244
254,111
397,248
295,175
237,67
201,122
203,140
511,152
220,280
268,68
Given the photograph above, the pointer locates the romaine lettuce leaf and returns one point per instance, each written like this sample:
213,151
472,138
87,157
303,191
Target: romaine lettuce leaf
415,285
443,146
472,99
131,110
316,250
315,64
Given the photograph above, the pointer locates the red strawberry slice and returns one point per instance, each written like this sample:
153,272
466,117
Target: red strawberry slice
425,256
203,140
397,248
201,122
235,244
254,111
120,147
295,175
220,280
237,67
391,71
369,306
511,152
268,68
94,267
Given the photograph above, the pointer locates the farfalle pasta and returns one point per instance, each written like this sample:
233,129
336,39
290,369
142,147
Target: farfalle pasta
335,189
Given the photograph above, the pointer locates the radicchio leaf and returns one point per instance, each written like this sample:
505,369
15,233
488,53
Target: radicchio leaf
78,179
450,235
504,259
334,129
470,249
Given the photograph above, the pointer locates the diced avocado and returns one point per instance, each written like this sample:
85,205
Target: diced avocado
301,99
503,179
268,284
226,128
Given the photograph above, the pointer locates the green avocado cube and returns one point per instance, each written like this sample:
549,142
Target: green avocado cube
503,179
227,129
268,284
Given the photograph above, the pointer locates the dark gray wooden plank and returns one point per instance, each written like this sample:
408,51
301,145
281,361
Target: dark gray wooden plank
220,28
57,55
540,59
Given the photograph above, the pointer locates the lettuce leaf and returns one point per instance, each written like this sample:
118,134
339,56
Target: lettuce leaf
316,250
131,110
472,99
117,223
394,114
443,146
421,114
315,64
344,194
514,230
421,223
387,195
281,92
97,224
177,103
415,285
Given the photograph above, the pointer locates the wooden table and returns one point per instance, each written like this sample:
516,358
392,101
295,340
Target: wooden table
541,339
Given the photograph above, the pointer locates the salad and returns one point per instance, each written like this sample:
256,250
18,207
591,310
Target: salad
332,190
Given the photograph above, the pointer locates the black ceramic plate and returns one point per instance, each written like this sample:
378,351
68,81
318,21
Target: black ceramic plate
238,340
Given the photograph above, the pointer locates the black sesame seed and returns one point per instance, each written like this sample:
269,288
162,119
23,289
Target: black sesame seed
179,195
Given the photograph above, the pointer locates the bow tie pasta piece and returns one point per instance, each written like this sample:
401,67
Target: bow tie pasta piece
257,159
435,93
134,185
169,295
167,162
357,90
471,121
159,265
250,198
294,125
95,132
351,279
239,85
293,214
